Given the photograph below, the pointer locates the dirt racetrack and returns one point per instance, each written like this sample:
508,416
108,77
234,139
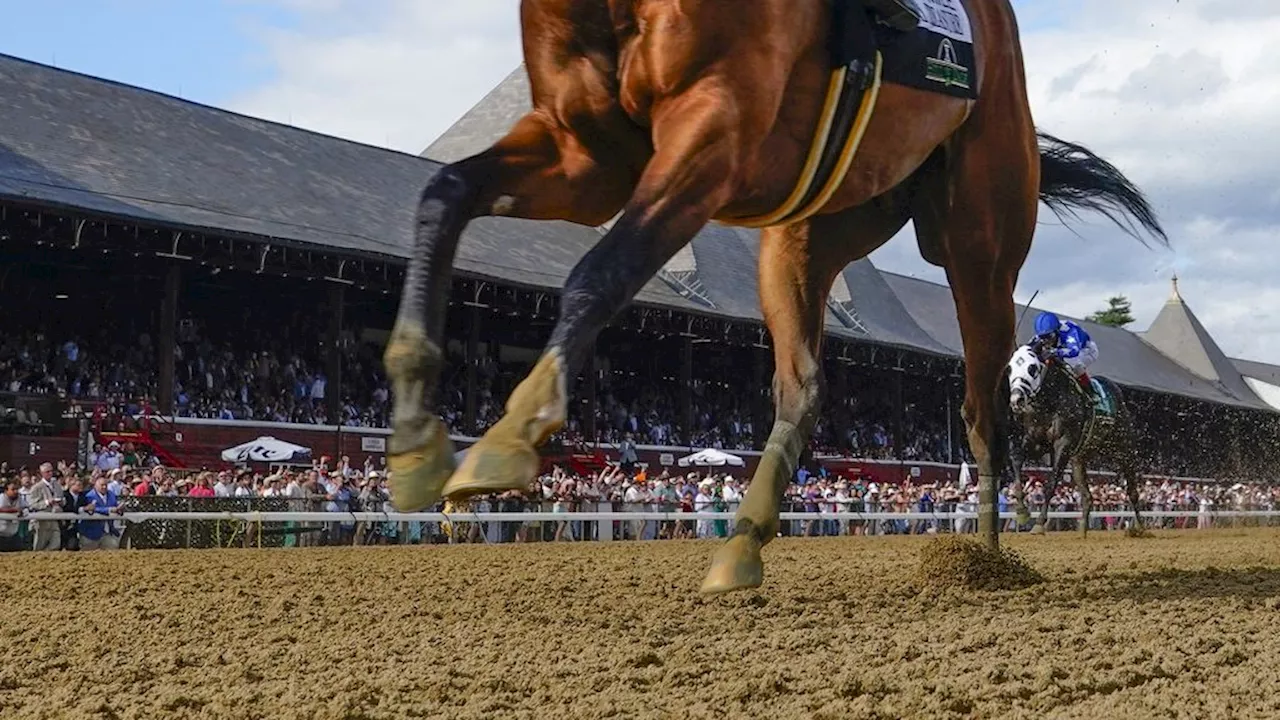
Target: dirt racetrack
1183,625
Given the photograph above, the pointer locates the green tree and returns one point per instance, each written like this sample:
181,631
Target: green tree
1118,312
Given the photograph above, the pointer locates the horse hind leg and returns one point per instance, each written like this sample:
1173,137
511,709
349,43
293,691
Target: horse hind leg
1081,475
797,267
1128,465
532,172
1017,460
700,143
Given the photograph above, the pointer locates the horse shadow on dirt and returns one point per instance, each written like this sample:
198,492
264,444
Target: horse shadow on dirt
1176,584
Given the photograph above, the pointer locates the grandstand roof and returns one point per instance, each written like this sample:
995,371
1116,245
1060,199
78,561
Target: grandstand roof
76,142
486,121
1177,333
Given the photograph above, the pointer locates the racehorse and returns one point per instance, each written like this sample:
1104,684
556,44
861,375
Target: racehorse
663,115
1057,418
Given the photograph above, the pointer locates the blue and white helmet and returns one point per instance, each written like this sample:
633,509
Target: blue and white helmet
1047,324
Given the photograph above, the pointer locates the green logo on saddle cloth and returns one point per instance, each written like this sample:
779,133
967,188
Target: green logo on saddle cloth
943,68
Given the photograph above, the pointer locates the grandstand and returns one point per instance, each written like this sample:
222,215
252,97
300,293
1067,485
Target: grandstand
135,210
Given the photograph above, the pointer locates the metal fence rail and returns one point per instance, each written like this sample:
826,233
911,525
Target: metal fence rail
394,517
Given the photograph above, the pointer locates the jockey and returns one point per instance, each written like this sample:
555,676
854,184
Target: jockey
1069,343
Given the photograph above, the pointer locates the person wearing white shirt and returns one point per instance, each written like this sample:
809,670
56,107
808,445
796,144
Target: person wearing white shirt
46,496
109,459
114,482
702,502
731,497
842,504
224,487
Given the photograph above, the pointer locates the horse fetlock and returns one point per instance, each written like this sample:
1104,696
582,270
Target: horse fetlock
541,401
420,457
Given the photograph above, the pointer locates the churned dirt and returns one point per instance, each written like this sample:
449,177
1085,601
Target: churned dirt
1180,625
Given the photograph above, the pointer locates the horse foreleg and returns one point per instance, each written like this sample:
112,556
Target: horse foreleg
691,175
1058,458
797,266
985,312
532,172
1081,475
1130,473
980,208
1017,457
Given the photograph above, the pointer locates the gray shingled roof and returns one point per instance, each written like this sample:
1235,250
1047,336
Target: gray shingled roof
1178,334
1265,372
75,141
1122,355
485,122
82,143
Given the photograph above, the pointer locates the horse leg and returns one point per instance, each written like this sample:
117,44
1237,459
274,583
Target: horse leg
1081,475
1130,473
536,171
1057,463
978,206
700,138
797,266
1018,452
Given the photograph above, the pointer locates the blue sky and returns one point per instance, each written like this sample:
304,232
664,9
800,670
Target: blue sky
1181,94
204,51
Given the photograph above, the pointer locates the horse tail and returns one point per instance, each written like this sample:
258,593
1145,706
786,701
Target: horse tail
1073,178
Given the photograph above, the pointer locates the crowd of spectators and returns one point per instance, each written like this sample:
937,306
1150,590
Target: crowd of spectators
229,365
100,494
276,374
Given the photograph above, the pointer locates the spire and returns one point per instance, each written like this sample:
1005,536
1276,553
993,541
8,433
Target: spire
1175,296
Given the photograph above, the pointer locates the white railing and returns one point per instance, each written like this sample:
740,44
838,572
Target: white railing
456,517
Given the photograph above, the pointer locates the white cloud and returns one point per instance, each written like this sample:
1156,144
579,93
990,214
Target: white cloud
394,73
1182,96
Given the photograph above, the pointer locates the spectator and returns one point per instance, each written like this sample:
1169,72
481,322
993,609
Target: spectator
201,489
45,496
100,534
73,499
115,481
10,509
225,487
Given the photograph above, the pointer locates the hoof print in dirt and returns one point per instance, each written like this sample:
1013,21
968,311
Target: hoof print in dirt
953,563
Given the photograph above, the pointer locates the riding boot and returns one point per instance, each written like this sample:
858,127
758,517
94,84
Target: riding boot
1087,384
901,15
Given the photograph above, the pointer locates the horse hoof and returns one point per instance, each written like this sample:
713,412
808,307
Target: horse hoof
1037,530
498,463
736,566
418,475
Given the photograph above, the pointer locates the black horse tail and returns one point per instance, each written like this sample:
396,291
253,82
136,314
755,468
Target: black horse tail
1073,178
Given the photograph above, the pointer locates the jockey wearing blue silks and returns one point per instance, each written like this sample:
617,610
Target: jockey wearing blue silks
1068,342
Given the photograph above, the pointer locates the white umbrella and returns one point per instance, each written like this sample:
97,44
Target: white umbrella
267,449
710,457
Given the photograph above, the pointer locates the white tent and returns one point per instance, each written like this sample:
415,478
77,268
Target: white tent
267,449
710,457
